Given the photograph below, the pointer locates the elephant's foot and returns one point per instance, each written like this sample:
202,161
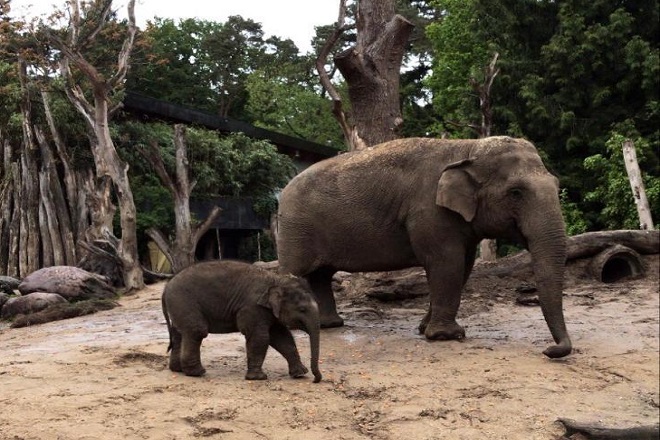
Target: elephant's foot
194,371
331,320
424,323
175,365
255,375
444,332
298,371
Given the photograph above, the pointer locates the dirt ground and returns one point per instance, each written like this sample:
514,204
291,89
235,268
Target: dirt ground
104,376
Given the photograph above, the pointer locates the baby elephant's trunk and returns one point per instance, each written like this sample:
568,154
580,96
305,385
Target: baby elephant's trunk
314,329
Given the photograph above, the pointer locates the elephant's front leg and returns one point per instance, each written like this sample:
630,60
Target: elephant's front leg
256,342
282,340
445,286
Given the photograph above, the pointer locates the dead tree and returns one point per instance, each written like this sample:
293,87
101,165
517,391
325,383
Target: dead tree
371,69
637,185
81,33
487,248
180,251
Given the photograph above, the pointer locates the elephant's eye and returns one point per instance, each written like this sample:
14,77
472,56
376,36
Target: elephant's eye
302,309
516,193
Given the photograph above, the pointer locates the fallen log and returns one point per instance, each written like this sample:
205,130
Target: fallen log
64,311
598,432
592,243
581,246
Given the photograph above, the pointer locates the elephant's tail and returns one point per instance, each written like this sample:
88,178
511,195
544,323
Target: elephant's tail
169,324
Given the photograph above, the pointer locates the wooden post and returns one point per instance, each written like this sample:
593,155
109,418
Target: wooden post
637,185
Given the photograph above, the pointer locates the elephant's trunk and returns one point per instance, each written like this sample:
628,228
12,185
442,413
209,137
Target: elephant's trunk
313,329
546,241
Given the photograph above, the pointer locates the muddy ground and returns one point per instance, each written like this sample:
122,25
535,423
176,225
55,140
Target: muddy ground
104,376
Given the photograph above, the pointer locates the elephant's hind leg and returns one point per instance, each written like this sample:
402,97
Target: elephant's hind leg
191,362
321,283
282,340
175,350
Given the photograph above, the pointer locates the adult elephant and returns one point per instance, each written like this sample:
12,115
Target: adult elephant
425,202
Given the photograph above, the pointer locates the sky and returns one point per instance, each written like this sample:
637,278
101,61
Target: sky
294,19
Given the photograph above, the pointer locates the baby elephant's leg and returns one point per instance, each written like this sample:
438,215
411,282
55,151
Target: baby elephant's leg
256,342
282,340
191,362
175,353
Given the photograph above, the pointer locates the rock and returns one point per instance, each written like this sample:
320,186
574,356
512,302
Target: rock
71,282
3,299
384,286
8,284
31,303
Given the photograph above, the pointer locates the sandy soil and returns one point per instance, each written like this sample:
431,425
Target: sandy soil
104,376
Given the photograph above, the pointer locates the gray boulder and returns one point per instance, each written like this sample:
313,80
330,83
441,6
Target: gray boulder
3,299
31,303
8,284
71,282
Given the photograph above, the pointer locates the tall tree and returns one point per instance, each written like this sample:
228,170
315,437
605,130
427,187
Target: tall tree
180,251
200,63
88,21
371,68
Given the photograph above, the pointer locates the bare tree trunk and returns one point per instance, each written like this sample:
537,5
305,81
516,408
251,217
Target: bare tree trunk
487,248
15,225
372,71
637,185
181,252
57,209
71,179
97,114
30,238
6,201
47,250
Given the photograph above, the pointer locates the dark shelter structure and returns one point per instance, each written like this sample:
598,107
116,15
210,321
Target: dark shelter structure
238,220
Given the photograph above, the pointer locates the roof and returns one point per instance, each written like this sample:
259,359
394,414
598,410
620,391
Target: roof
146,105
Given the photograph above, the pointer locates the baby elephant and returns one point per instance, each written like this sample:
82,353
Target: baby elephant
231,296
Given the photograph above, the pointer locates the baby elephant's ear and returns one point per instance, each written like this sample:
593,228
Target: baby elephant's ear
272,299
457,190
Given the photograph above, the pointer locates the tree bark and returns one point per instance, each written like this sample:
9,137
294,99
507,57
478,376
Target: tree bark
29,260
637,185
599,432
371,69
50,243
15,225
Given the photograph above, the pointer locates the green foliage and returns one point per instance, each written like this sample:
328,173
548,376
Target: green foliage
573,217
570,72
613,192
277,103
460,53
233,165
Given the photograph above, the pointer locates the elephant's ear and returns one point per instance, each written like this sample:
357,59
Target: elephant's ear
457,190
272,299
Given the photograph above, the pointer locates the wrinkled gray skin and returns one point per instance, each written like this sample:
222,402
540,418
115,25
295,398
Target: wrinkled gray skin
232,296
425,202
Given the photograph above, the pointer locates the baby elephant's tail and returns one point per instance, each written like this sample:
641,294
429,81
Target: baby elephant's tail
169,324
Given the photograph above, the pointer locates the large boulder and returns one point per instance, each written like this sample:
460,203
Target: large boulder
31,303
73,283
